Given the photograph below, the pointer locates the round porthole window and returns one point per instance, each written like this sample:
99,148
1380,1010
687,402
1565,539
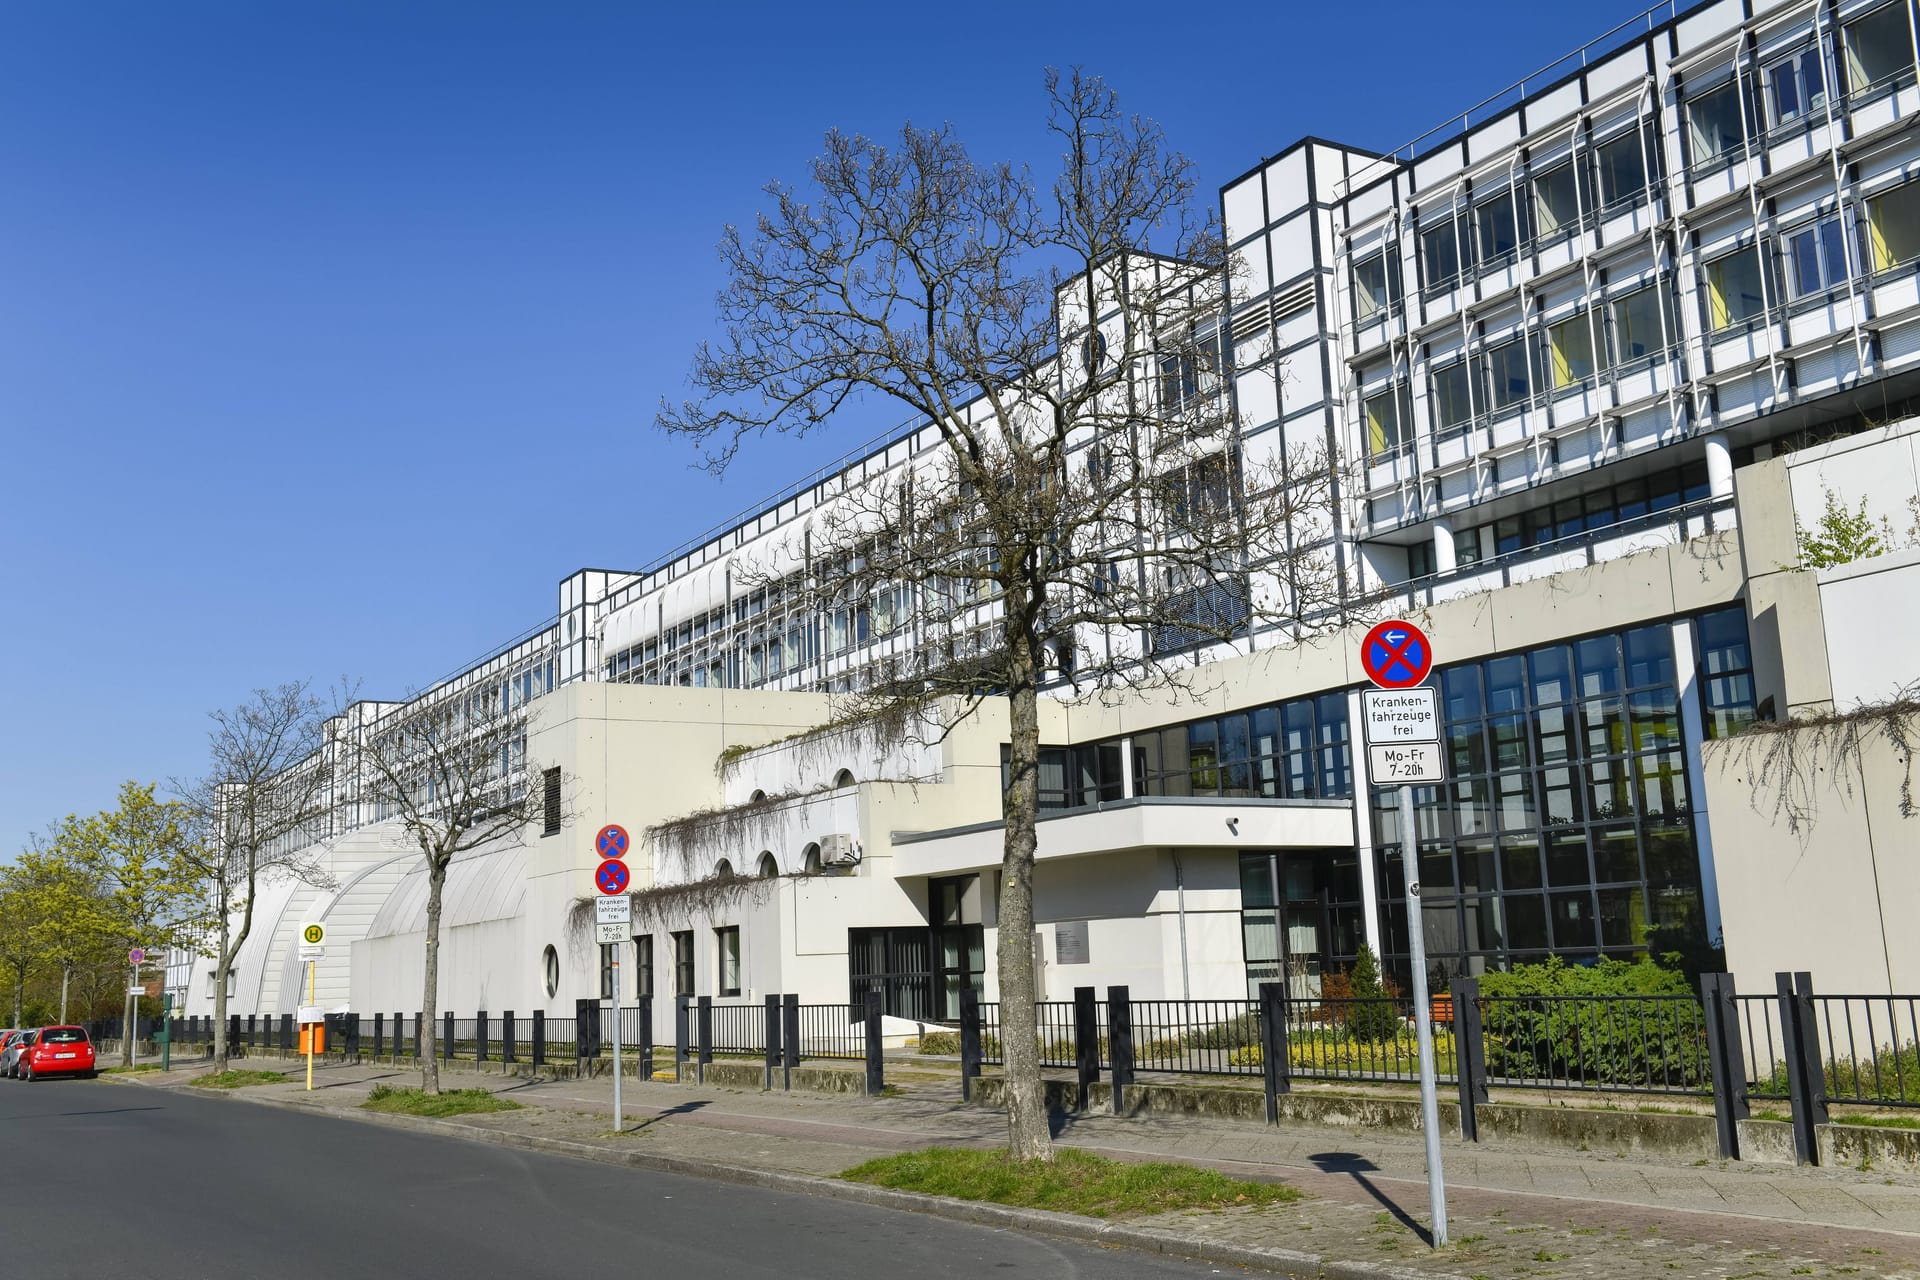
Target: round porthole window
550,962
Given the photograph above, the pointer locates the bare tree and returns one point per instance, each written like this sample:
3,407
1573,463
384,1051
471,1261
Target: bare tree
260,813
1086,511
451,766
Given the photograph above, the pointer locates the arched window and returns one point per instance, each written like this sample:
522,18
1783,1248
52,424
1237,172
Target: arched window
724,871
769,867
810,860
756,797
550,970
844,778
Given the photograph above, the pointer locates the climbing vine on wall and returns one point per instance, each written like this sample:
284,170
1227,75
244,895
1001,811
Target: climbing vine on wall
1788,763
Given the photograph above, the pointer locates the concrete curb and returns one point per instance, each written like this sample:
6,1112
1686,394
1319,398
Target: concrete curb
1287,1262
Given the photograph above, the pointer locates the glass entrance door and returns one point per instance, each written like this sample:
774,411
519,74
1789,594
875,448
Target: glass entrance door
1283,920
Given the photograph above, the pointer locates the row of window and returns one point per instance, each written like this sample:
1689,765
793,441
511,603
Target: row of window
727,971
1874,50
1622,332
1548,523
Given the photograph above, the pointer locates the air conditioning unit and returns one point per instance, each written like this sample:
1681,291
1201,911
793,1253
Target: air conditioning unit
839,850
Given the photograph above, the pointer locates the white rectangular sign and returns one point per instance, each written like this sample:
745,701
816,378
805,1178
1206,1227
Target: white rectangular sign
613,909
136,991
1392,764
612,932
1401,715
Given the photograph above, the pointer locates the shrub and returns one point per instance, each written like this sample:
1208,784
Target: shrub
1235,1033
1889,1075
1372,1015
1534,1031
947,1042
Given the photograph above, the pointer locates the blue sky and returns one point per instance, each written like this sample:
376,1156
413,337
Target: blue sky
331,334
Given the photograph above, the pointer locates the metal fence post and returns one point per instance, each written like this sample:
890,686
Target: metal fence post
969,1041
379,1034
446,1041
286,1033
705,1030
1726,1060
419,1029
539,1037
643,1043
773,1054
233,1032
682,1035
480,1036
876,1068
1086,1044
1273,1046
1800,1045
353,1036
1469,1054
1120,1043
253,1033
506,1038
789,1038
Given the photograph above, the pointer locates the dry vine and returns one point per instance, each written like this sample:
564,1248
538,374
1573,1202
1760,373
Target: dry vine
1789,761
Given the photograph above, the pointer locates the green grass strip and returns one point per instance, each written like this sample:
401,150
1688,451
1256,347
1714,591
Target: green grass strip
418,1102
238,1079
1072,1182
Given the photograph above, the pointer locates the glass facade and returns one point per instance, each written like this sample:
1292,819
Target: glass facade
1566,826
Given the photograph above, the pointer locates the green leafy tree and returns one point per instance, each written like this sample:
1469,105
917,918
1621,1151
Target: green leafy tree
20,948
149,892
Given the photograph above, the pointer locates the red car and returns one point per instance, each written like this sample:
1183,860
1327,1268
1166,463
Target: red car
58,1051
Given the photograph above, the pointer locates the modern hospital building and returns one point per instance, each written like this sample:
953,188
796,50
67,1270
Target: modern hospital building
1597,349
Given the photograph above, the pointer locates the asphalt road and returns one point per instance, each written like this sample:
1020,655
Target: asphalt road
108,1180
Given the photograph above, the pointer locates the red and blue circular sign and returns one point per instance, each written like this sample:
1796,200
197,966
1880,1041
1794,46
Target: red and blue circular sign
1396,655
611,842
611,877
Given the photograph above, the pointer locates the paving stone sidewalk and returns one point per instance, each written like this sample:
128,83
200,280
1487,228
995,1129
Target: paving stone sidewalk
1514,1212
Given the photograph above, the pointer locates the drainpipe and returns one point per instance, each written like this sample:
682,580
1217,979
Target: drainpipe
1180,896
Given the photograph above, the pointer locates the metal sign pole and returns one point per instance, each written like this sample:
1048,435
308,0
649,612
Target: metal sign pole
1423,1019
309,1029
619,1122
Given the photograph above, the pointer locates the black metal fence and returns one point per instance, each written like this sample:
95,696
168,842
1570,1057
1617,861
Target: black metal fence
1807,1050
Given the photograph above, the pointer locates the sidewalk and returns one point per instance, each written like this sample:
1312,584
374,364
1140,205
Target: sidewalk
1513,1212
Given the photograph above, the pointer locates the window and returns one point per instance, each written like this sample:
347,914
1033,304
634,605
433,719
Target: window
1797,85
606,970
1878,48
1726,672
1571,343
1816,257
1496,228
1449,390
1637,330
1376,284
1734,294
643,965
1716,121
1420,561
1893,227
729,944
1557,201
550,780
1388,420
1622,163
1295,750
550,970
1440,254
769,866
682,963
1506,379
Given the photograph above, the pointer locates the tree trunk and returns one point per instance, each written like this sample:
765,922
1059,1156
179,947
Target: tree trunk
19,993
1028,1135
429,999
222,962
66,971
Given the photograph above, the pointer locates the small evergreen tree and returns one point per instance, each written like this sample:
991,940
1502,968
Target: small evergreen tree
1372,1017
